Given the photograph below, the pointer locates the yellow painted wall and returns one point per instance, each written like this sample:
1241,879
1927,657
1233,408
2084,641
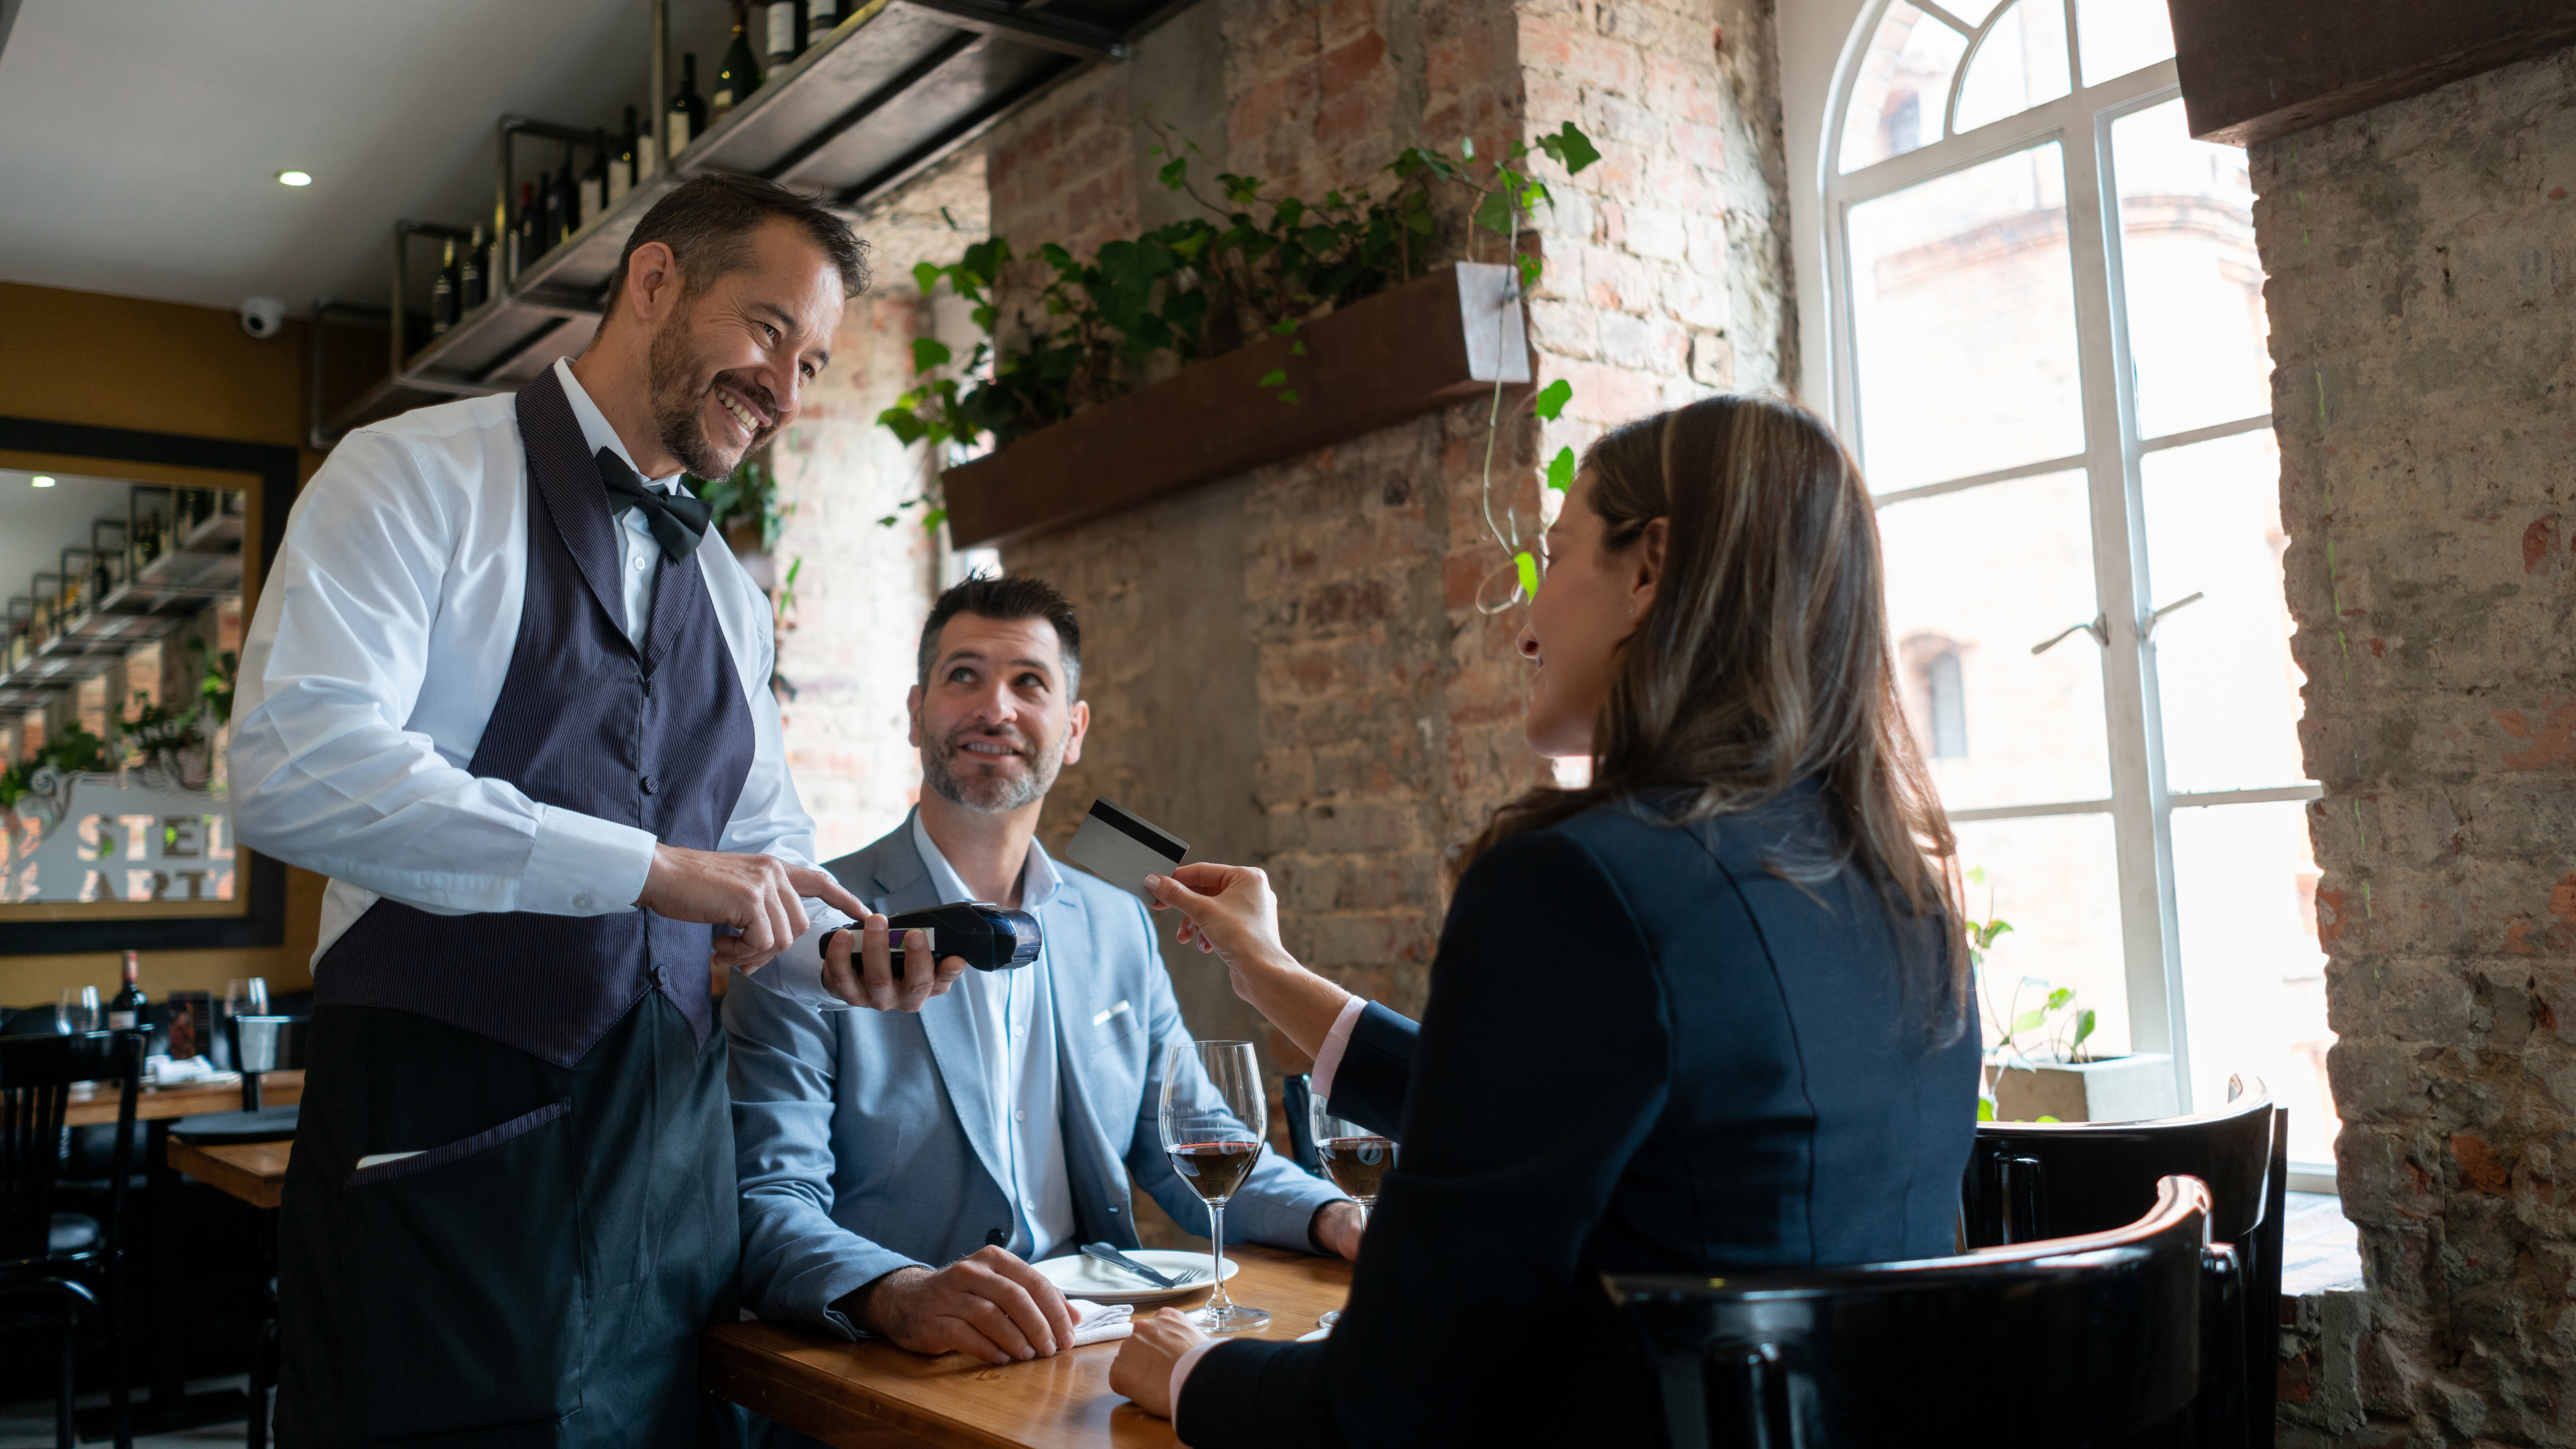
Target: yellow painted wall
120,362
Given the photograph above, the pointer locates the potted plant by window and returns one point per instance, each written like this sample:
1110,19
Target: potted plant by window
2038,1069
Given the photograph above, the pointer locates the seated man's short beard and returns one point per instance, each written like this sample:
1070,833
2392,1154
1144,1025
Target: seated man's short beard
995,794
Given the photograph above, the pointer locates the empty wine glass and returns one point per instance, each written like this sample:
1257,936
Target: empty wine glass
1215,1116
246,996
76,1010
1354,1156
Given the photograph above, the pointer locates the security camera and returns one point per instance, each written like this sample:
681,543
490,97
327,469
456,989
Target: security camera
262,316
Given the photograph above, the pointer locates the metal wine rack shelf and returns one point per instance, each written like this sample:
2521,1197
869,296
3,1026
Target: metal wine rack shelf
198,567
896,87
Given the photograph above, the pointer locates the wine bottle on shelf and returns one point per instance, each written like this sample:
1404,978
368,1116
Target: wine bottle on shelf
621,167
442,292
567,198
820,17
472,283
740,75
125,1008
688,113
594,182
648,157
782,32
523,237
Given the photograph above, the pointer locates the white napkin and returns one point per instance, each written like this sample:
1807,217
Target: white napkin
1099,1322
165,1072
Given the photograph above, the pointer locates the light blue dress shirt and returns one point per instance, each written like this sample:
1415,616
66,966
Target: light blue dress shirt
1014,1017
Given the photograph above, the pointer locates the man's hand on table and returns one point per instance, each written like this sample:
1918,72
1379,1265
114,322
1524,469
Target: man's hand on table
1336,1229
759,896
1143,1369
988,1304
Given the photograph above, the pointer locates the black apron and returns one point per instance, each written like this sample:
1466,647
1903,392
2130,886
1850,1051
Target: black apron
541,1273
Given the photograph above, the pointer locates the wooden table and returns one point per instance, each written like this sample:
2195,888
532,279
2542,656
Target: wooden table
877,1396
251,1171
95,1104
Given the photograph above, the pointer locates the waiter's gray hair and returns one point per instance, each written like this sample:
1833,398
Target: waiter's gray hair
708,221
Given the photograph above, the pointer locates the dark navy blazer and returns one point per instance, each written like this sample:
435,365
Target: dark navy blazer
1644,1052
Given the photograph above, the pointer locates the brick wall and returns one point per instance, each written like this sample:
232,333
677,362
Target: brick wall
2422,259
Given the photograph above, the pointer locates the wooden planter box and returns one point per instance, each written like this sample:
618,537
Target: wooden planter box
1434,341
2136,1088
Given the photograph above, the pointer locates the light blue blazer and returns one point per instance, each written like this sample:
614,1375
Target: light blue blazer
863,1138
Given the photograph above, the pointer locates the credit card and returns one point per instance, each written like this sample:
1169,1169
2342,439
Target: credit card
1123,848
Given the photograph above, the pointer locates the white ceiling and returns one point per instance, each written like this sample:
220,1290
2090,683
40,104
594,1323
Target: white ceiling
140,139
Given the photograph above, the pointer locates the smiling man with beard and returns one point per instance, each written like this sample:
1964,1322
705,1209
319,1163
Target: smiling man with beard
901,1172
510,693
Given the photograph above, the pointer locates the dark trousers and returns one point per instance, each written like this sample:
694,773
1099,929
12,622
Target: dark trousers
540,1274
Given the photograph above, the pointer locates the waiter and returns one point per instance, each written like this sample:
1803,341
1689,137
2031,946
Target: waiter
507,691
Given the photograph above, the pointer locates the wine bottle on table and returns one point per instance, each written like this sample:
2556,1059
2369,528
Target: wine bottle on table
125,1008
442,292
782,32
820,17
594,182
621,167
473,284
688,113
741,74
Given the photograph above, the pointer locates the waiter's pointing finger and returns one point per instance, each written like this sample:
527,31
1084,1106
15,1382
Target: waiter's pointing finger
821,885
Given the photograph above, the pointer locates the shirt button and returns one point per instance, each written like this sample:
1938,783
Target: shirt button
582,901
642,563
1022,1115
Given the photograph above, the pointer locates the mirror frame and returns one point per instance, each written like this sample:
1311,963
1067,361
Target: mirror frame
277,467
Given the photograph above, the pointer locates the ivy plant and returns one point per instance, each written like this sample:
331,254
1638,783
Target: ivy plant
1058,333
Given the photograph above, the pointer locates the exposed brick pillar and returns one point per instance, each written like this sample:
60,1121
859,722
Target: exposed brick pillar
2422,259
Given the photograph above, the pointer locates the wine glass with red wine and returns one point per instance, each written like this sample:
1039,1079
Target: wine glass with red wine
1215,1116
1355,1157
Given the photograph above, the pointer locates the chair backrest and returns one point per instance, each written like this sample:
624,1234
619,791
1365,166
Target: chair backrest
2085,1340
36,1077
2030,1180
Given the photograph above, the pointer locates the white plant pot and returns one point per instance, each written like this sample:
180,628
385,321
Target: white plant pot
2134,1088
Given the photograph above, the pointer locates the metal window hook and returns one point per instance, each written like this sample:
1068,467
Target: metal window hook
2100,629
2147,630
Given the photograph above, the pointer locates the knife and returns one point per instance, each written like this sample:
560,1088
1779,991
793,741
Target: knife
1117,1259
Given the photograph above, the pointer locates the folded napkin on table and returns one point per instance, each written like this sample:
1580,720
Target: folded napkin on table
1099,1322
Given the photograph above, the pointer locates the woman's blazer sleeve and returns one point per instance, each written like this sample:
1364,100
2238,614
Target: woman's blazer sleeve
1376,1071
1497,1188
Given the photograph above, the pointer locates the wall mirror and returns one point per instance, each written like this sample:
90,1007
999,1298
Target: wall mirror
128,566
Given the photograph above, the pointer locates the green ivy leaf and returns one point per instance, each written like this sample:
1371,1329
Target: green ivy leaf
1297,348
1275,377
1527,563
1552,398
929,352
1985,1109
926,275
1175,173
1283,328
1571,147
907,426
1494,213
2028,1021
2058,998
2083,1025
1560,470
1289,397
930,521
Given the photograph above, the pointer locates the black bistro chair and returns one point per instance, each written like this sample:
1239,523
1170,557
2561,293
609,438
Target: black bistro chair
2031,1180
70,1258
2089,1340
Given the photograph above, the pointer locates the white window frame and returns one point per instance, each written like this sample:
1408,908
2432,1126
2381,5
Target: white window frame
1823,44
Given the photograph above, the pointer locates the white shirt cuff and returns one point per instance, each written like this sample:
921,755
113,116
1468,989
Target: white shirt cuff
584,866
797,972
1328,1062
1181,1371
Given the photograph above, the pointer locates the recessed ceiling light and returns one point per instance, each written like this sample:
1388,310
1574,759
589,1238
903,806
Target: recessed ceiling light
295,178
41,481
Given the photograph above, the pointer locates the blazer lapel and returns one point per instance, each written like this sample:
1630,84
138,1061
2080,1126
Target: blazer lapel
565,481
1073,1011
904,884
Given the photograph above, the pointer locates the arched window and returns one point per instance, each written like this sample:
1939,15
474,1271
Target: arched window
2041,328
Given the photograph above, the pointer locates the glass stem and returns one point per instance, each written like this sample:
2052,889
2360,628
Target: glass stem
1219,1303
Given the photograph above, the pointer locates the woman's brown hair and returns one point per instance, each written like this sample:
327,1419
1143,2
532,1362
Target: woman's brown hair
1763,662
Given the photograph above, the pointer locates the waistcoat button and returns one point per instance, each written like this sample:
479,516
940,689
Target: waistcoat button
996,1238
648,784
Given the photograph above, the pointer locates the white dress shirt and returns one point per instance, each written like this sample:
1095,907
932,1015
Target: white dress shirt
379,647
1014,1017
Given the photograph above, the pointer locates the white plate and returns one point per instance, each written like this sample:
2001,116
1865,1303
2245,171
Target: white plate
1077,1275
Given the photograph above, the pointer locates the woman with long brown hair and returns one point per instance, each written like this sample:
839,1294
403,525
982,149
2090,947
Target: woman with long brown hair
1709,1012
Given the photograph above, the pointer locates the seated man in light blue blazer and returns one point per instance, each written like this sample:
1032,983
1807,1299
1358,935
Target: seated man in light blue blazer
900,1172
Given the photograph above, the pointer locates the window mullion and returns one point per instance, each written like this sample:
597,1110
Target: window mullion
2142,840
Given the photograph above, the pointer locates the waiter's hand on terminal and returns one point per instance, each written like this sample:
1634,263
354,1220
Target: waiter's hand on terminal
761,898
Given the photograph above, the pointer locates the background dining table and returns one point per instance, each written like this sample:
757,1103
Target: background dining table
876,1396
95,1105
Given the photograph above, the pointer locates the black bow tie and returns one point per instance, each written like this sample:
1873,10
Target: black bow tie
678,519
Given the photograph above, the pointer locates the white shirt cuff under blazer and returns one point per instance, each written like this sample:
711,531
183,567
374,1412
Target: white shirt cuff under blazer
379,648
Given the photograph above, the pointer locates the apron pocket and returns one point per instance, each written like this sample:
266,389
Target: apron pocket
460,1272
